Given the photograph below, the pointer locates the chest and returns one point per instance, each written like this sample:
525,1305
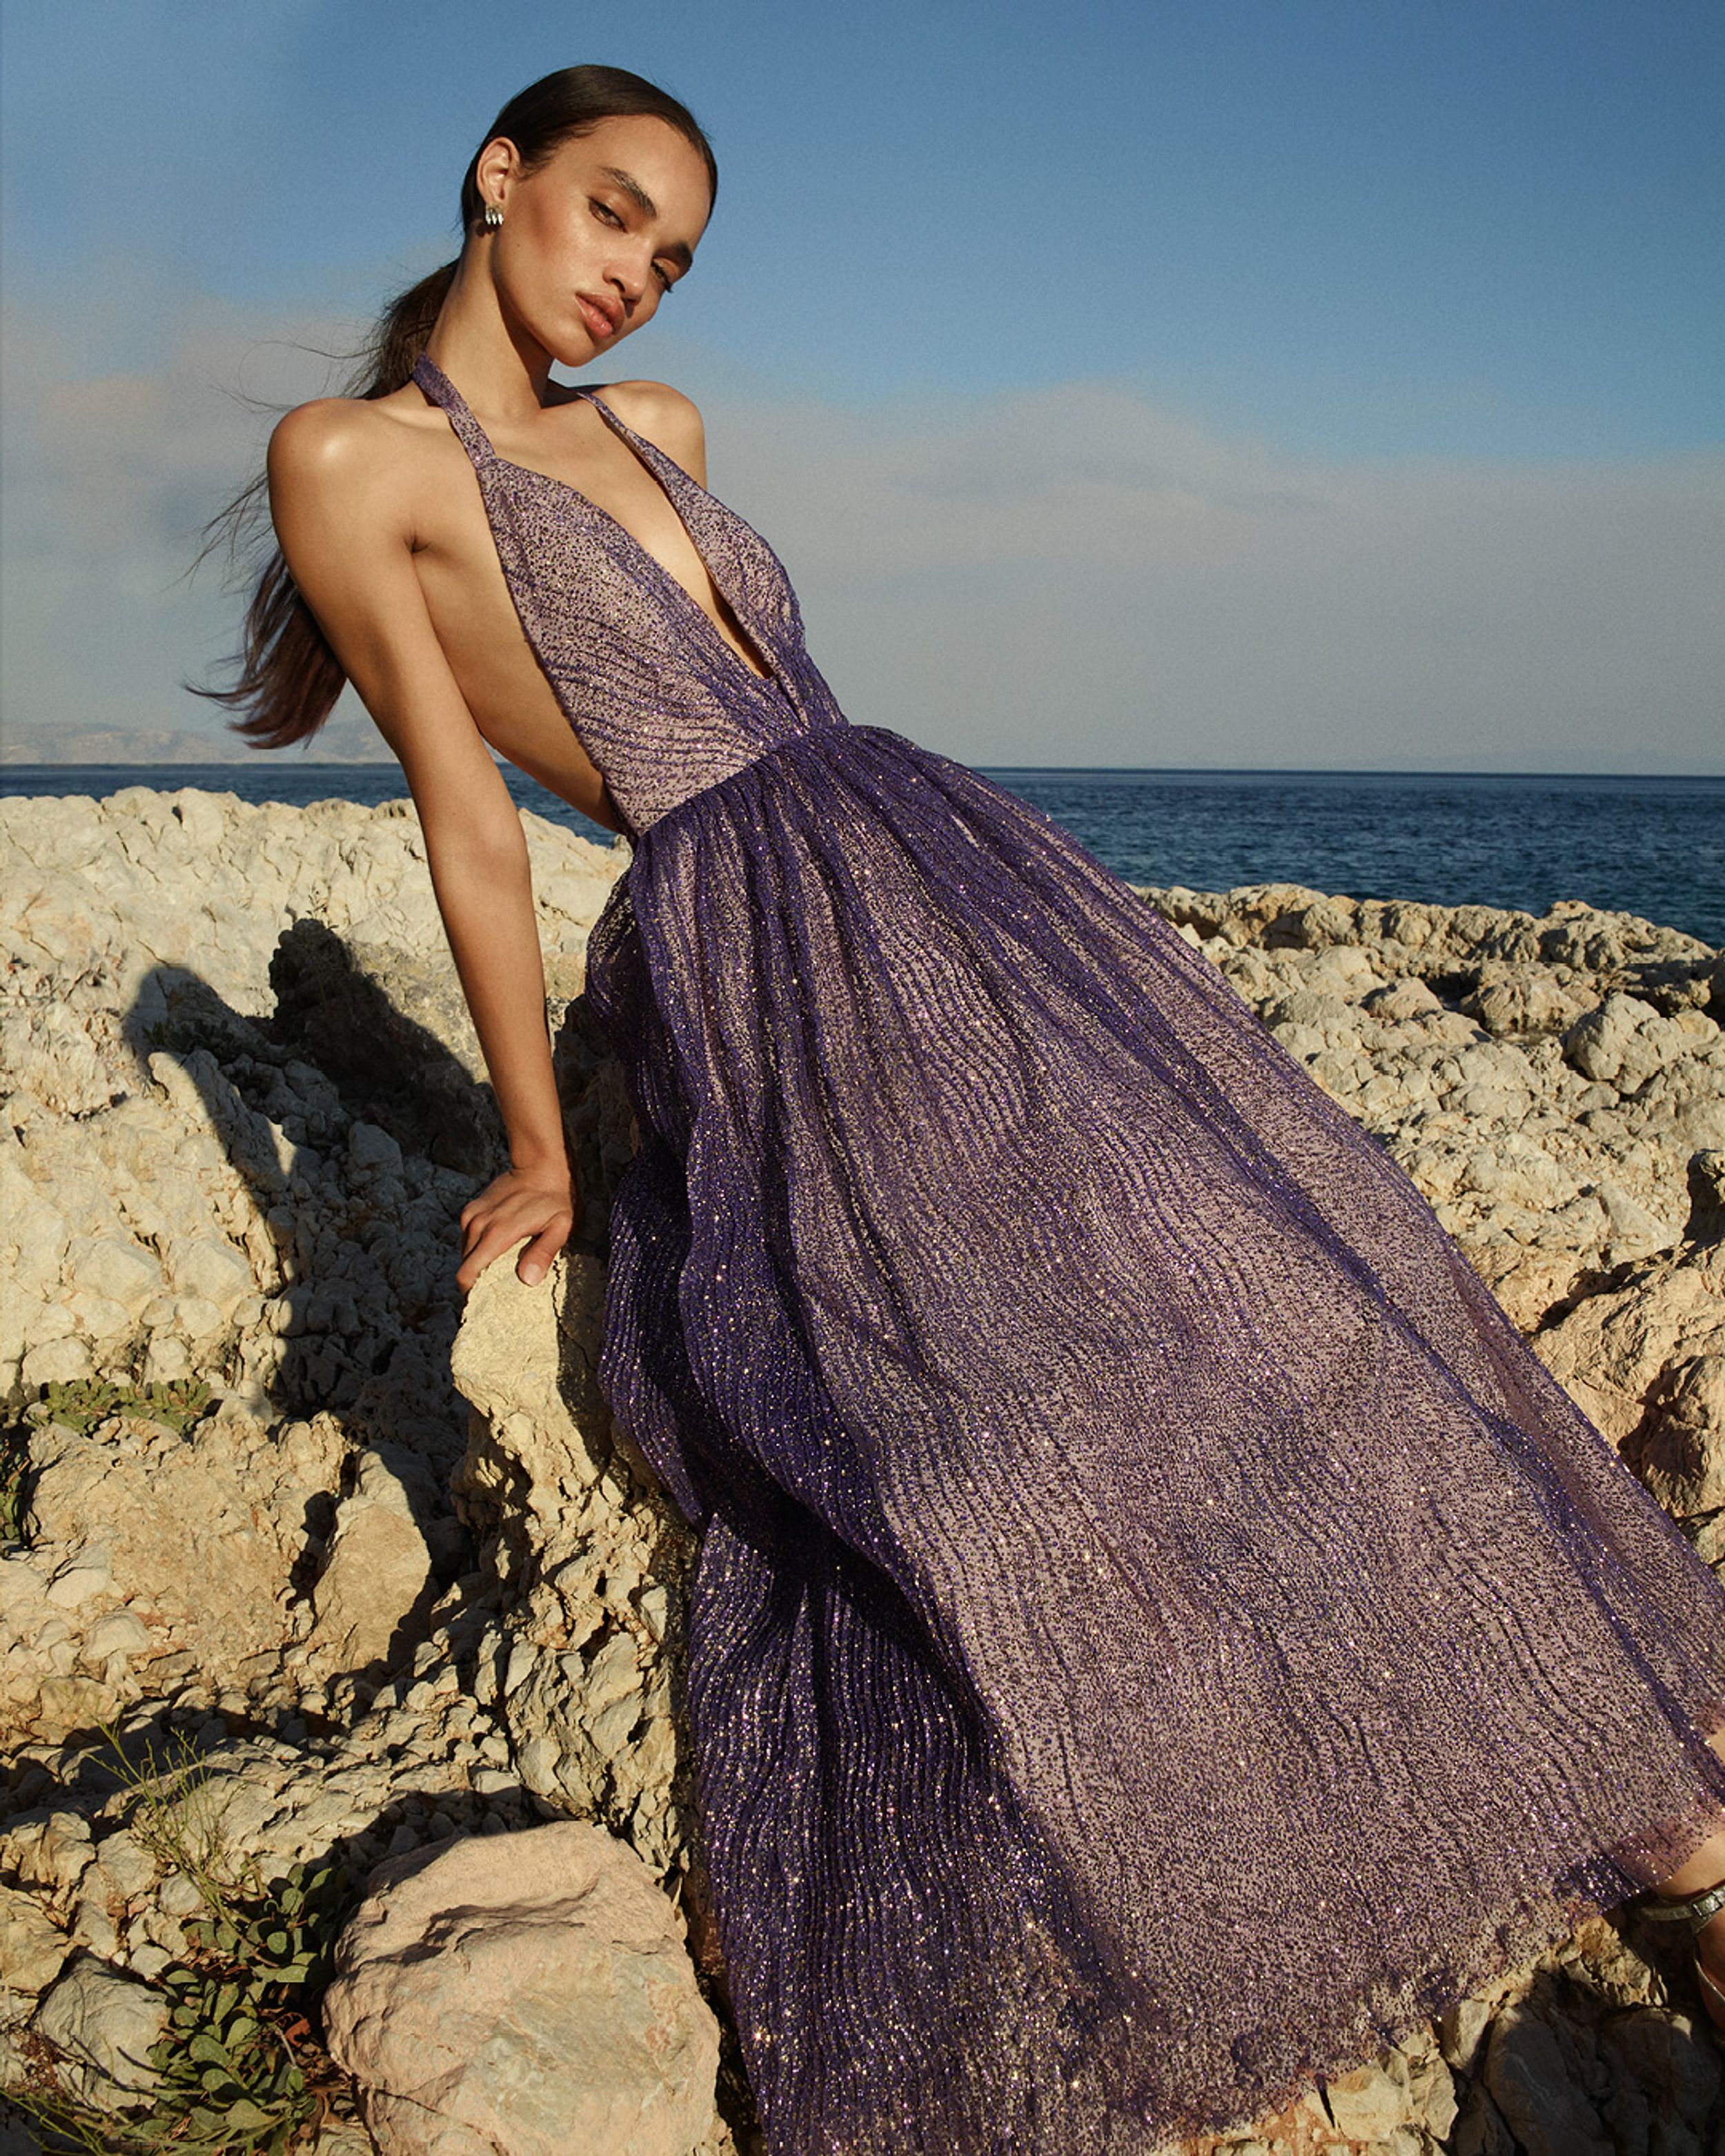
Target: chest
604,504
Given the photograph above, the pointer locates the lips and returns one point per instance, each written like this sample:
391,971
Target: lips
604,318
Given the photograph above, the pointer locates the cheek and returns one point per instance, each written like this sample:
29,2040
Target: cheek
553,231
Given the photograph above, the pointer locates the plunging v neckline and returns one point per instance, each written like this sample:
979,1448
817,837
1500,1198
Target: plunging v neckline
648,455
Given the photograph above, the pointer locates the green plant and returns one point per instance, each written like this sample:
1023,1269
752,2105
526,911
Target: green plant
177,1813
231,2078
83,1403
241,2068
14,1478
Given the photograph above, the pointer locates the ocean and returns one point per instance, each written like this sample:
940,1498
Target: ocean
1654,846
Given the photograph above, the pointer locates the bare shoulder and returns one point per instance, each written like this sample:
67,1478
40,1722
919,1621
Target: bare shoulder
340,444
663,416
323,435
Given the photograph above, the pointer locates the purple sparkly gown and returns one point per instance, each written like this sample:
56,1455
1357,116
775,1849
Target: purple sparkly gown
1158,1634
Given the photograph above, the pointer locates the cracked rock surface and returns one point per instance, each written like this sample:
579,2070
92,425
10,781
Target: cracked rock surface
406,1590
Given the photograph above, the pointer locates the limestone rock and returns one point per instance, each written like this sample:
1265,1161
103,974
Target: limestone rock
1706,1198
375,1592
200,1535
51,1851
33,1947
103,2023
393,1029
338,2138
1371,2102
1534,2087
1624,1042
1662,2077
526,1992
1645,1358
598,1558
1458,1035
1519,1001
161,1112
246,1109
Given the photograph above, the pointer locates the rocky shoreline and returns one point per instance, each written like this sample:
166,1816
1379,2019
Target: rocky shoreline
402,1589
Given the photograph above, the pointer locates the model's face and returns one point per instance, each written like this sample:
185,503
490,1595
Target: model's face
594,238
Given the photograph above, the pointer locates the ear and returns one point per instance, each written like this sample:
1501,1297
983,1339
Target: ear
495,169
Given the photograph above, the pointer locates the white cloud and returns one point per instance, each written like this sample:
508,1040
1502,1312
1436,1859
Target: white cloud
1072,576
1077,576
108,481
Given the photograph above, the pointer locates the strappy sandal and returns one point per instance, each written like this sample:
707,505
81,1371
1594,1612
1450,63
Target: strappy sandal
1694,1910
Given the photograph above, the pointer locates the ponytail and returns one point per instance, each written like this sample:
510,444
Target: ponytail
289,676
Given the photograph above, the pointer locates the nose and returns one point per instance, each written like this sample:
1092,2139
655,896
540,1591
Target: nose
630,273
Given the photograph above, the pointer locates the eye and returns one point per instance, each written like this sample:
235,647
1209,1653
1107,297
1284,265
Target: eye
666,281
604,210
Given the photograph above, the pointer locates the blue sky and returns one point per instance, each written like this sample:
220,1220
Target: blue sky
1448,276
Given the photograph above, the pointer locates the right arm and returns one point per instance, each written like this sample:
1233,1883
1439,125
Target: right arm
336,508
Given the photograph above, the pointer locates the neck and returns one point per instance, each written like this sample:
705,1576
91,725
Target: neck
498,371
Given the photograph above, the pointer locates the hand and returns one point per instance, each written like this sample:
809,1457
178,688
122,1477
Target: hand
540,1203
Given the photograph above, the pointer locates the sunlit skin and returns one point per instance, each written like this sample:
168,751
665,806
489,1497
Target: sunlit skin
1704,1869
379,517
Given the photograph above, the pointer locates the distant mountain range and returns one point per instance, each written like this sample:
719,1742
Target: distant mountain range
340,741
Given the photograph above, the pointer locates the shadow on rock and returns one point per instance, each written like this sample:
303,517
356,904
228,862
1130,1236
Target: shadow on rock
346,1013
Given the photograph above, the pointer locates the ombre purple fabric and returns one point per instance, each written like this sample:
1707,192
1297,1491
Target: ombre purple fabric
1158,1633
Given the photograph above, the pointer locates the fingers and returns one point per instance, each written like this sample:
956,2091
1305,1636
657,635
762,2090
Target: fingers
487,1236
534,1262
491,1245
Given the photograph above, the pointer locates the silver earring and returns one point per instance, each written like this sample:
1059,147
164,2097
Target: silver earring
494,216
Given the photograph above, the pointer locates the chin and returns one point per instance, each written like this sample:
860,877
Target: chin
586,348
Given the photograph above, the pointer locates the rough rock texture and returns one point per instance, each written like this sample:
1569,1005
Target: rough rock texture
106,2022
159,1544
530,1992
597,1558
242,1112
222,1026
1645,1354
1544,1081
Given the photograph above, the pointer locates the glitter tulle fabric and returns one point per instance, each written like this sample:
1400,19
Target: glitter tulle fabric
1158,1633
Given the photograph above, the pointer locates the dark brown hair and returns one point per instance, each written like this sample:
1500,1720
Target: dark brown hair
289,676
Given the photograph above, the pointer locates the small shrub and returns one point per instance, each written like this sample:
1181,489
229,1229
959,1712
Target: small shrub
242,2069
231,2076
85,1401
176,1814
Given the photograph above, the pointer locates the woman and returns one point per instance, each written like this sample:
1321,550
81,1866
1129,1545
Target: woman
1159,1632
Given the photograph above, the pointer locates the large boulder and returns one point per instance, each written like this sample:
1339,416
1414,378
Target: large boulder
528,1993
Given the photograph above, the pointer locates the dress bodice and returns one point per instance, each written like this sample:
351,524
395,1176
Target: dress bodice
656,696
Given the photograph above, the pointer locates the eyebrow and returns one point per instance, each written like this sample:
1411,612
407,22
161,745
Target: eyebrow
628,184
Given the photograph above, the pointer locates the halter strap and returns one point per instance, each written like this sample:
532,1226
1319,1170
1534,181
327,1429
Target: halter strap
438,387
